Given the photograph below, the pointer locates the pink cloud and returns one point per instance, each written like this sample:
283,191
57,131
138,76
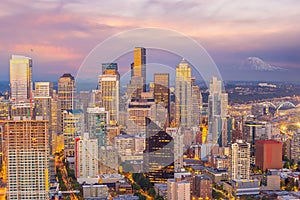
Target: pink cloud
47,52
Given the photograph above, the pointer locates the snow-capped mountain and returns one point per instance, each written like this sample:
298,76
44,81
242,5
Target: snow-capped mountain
257,64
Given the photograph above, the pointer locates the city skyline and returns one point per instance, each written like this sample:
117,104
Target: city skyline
231,32
149,100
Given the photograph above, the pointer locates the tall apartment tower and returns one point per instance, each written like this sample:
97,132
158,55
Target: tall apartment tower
109,86
183,95
239,161
178,189
27,155
217,113
20,78
86,157
66,90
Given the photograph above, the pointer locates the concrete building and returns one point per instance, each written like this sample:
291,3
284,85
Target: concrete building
96,191
98,120
73,127
65,92
202,187
268,154
27,158
197,104
109,87
86,157
178,189
239,161
217,113
295,147
178,150
242,187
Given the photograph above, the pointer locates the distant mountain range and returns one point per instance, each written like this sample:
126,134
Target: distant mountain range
257,64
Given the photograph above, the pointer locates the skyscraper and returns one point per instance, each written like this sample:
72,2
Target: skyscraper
158,156
109,86
197,104
183,94
139,64
98,119
20,78
27,155
162,91
66,89
217,113
86,156
137,83
239,161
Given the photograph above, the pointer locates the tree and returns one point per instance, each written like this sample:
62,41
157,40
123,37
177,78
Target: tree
152,192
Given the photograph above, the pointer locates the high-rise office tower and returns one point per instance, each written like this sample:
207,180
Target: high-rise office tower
137,83
239,161
139,64
27,158
183,95
66,89
109,86
86,157
158,156
98,119
197,104
43,93
73,123
217,113
162,91
42,99
20,78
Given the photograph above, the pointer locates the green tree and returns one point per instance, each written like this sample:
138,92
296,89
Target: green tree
151,192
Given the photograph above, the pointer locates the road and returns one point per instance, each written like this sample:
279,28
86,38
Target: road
65,177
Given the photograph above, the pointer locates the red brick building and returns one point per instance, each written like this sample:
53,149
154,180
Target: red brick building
268,154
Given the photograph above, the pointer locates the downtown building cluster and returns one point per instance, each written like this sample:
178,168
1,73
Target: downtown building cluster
160,129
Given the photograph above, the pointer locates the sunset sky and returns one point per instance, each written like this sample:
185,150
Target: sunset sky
58,34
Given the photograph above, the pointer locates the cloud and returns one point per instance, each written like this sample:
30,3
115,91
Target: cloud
65,31
47,52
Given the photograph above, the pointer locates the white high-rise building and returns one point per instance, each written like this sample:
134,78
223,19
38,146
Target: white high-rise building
178,189
86,157
239,161
27,159
183,92
217,113
178,147
20,78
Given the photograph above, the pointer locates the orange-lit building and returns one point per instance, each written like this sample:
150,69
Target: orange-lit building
268,154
